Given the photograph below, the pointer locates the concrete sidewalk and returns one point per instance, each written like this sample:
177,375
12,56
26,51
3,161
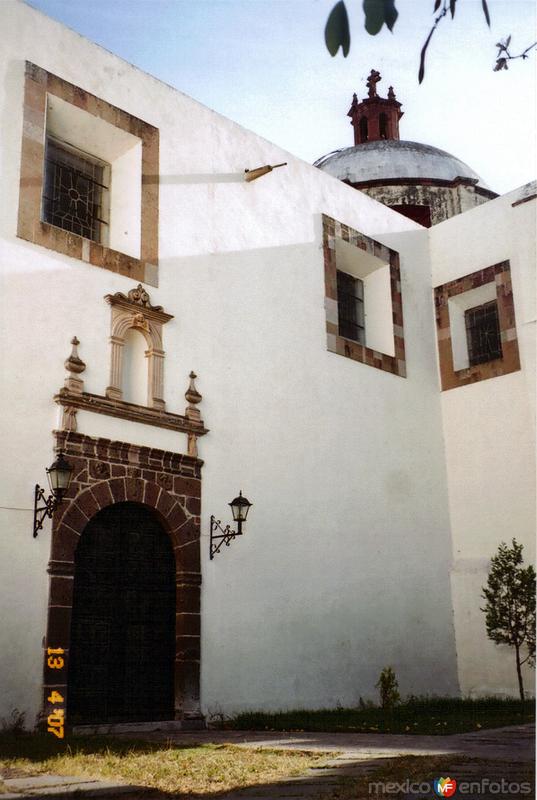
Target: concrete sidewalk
513,743
503,753
63,786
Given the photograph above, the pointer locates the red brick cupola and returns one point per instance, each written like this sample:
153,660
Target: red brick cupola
375,117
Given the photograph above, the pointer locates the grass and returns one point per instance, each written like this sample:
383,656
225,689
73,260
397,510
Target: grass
416,716
208,771
192,770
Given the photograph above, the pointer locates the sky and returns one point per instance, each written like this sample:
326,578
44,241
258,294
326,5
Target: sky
264,64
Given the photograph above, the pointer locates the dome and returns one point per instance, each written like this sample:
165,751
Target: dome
417,180
392,159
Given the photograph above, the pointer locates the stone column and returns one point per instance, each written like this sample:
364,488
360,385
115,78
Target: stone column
155,378
114,391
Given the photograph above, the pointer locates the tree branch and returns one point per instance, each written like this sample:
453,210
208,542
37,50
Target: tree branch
504,55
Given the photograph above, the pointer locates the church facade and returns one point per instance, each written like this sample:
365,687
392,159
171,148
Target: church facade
179,325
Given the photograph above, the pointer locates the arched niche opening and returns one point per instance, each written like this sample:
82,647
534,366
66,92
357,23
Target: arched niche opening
383,126
134,377
364,130
133,317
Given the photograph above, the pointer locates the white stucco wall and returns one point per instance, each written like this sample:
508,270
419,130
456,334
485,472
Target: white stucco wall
489,433
345,565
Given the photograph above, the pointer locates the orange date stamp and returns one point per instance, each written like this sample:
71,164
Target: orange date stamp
56,719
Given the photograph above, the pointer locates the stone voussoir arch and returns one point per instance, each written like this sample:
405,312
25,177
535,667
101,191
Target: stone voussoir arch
177,521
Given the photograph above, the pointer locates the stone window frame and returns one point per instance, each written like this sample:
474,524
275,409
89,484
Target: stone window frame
169,484
499,277
38,84
396,364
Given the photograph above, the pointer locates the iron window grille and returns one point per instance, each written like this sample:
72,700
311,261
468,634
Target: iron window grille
350,300
483,333
75,191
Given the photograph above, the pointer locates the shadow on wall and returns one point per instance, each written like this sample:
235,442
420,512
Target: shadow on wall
202,177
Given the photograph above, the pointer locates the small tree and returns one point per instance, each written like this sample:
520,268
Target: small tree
388,689
510,606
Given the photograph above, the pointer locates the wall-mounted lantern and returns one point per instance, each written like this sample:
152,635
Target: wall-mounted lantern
59,476
239,508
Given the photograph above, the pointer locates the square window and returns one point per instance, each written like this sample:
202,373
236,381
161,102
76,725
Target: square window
483,333
364,314
76,191
476,327
89,183
350,301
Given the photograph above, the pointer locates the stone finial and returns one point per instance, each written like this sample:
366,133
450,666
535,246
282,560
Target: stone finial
74,366
354,105
193,397
192,413
74,363
391,93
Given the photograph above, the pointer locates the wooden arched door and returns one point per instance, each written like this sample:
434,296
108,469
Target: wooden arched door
122,650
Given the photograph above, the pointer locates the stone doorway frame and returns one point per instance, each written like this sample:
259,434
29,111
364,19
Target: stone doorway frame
169,484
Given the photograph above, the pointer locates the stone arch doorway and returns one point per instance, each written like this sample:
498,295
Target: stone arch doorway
121,666
168,486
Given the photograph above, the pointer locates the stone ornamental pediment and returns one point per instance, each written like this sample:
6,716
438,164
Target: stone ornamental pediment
137,301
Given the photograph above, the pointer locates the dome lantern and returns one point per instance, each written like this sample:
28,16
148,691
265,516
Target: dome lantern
375,118
417,180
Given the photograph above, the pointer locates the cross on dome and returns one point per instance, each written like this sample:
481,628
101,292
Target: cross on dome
373,79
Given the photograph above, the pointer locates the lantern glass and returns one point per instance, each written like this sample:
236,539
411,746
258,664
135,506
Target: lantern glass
59,475
240,507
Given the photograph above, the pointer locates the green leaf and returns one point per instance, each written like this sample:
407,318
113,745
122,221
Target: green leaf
378,12
337,33
374,16
486,11
452,7
390,13
421,73
436,6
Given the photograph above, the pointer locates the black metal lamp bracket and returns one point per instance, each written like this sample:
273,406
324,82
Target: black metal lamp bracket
44,511
225,536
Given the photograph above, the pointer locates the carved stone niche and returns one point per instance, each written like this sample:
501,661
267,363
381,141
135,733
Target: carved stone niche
134,310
